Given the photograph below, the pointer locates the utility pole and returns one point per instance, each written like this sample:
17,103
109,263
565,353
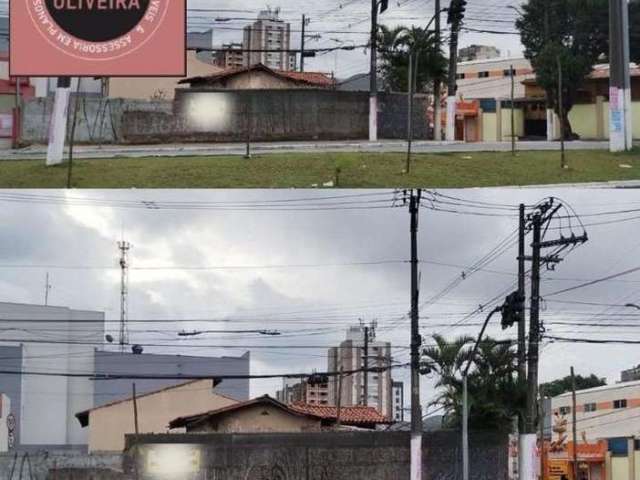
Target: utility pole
456,15
247,154
563,162
620,124
124,248
574,425
522,347
17,116
416,341
409,112
534,327
542,446
366,367
465,428
137,429
302,39
513,112
339,399
437,110
47,289
373,68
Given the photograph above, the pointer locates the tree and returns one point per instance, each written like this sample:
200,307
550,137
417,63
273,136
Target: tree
563,385
395,45
494,394
571,33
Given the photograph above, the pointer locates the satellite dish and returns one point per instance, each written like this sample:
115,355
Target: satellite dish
108,338
137,349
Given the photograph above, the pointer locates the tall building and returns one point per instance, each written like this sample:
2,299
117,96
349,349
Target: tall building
230,55
630,374
349,357
269,42
397,396
311,391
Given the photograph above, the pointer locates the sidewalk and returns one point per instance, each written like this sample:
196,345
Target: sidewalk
38,152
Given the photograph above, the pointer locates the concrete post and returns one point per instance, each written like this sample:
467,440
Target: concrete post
498,120
631,457
600,117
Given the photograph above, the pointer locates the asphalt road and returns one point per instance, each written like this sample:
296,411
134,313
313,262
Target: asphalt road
182,150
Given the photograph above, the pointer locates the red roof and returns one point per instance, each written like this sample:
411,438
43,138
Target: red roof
318,79
349,415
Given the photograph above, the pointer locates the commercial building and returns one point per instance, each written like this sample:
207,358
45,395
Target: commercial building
108,424
350,357
606,412
268,41
478,52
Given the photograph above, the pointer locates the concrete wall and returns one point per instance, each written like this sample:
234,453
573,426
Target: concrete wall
108,425
321,456
5,411
490,127
115,363
506,123
258,419
11,385
584,122
99,119
59,465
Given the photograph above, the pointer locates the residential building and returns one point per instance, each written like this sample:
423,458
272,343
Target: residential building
160,88
481,79
203,39
630,374
397,396
38,400
350,357
605,412
229,56
266,414
153,364
311,391
260,77
478,52
108,424
268,41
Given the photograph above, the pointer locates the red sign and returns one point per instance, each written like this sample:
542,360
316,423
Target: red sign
97,38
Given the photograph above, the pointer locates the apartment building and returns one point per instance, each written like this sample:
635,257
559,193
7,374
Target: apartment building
605,412
480,79
311,391
478,52
268,41
349,357
397,396
230,55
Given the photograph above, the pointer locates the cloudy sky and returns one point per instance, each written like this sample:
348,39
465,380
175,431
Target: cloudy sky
270,260
347,22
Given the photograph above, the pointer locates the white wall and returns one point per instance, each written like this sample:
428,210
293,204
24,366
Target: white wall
5,409
49,403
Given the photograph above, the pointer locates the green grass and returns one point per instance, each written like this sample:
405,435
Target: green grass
357,170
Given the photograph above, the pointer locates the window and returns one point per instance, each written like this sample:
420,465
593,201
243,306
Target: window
507,72
565,410
590,407
460,76
483,74
620,403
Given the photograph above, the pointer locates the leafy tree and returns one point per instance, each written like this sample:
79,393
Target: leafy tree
570,33
394,47
494,394
563,385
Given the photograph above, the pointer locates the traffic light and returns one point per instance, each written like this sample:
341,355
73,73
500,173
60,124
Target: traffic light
456,12
512,310
384,5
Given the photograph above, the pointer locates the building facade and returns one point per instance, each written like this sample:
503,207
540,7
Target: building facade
312,391
397,396
108,424
630,374
606,412
478,52
268,41
349,357
480,79
230,55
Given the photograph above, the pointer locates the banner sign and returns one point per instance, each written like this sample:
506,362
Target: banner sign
97,38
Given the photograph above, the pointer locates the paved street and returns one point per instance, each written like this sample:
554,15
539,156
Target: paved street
190,150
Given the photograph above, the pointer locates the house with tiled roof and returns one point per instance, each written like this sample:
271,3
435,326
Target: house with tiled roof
266,414
259,77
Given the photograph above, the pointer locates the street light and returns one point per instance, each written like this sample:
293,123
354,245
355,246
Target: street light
632,305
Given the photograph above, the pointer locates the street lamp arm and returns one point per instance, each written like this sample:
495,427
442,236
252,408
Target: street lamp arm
479,339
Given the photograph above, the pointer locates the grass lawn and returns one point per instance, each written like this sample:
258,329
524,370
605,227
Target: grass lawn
357,170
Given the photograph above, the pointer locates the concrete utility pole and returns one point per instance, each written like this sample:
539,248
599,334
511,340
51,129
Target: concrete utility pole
416,341
522,347
620,124
373,74
456,16
47,289
410,111
513,111
437,91
59,115
574,424
339,399
247,154
534,327
563,161
124,248
366,367
305,22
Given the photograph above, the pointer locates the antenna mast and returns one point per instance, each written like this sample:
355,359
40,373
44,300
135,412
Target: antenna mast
124,248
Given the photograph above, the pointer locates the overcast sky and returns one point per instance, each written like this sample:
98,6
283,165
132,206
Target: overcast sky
348,22
316,292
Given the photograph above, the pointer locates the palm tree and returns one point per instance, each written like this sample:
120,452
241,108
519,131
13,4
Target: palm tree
494,394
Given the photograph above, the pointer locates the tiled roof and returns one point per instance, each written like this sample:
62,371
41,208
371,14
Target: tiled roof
310,78
348,414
